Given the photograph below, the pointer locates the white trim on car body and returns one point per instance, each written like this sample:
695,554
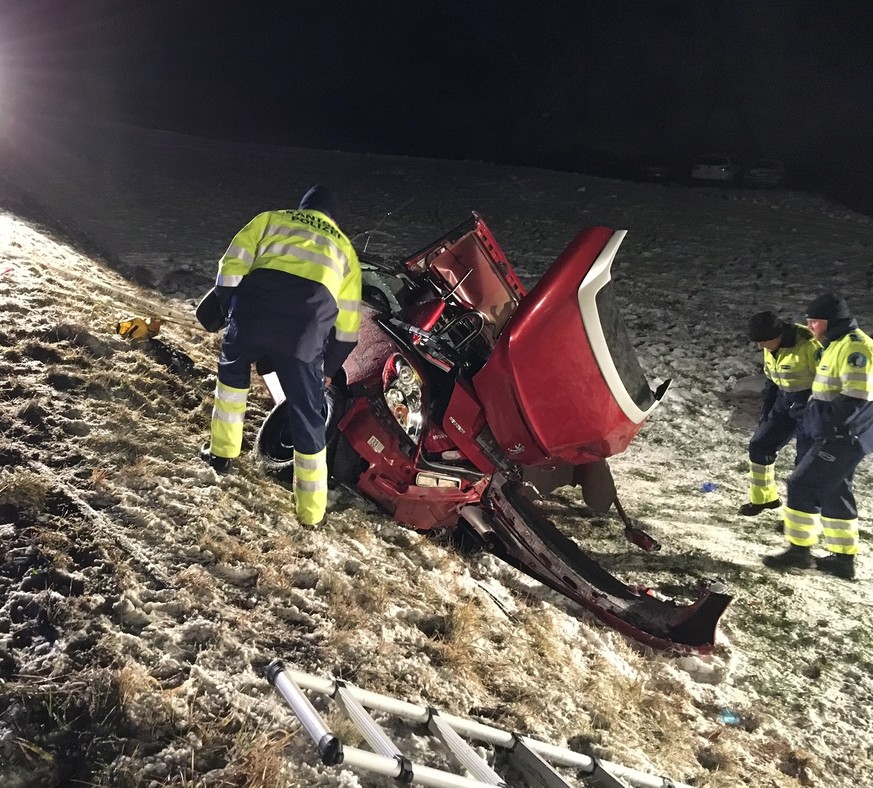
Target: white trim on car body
598,276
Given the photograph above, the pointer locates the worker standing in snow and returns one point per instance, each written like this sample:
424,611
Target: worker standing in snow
290,286
790,356
839,417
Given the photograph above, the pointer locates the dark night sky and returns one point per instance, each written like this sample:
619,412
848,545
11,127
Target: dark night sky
540,86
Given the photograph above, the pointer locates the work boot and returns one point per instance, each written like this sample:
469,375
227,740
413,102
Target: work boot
794,556
837,564
753,509
219,464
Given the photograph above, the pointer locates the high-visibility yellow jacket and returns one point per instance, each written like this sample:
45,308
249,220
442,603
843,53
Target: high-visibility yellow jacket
306,245
841,404
790,370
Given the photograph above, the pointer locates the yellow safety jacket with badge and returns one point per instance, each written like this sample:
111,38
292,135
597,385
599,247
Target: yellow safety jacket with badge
841,404
304,243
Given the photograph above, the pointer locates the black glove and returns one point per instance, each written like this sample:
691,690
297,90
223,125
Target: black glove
264,366
209,313
796,410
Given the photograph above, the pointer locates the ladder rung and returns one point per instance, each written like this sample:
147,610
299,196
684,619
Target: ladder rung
533,768
601,777
465,754
371,730
422,775
328,744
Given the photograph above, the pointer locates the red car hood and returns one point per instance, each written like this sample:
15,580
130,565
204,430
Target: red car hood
563,384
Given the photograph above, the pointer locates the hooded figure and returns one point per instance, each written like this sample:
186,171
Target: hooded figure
320,198
289,286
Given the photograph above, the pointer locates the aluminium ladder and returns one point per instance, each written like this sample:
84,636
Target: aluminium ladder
531,760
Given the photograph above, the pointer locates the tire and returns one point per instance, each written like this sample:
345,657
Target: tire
277,457
345,464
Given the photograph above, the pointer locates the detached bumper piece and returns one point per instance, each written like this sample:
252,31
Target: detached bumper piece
514,529
536,762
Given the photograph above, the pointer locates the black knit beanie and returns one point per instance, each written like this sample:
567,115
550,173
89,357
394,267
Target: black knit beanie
320,198
828,307
765,326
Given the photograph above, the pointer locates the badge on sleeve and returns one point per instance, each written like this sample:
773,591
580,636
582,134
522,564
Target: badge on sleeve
858,360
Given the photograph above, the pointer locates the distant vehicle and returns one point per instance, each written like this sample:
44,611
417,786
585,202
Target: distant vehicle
715,168
653,168
765,172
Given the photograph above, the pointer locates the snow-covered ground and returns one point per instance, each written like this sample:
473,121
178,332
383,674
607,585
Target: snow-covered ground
140,594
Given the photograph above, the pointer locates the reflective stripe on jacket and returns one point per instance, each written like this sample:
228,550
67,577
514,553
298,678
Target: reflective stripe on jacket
307,244
841,403
792,367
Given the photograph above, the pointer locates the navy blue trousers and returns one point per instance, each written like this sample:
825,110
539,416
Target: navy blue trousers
773,434
302,382
822,480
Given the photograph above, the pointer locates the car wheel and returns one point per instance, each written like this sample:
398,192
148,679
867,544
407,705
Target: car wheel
275,451
346,465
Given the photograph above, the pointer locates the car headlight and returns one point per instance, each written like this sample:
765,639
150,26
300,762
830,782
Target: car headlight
402,390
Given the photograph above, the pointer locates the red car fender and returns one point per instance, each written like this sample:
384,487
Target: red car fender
464,420
390,479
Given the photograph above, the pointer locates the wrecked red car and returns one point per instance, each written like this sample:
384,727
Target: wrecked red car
467,397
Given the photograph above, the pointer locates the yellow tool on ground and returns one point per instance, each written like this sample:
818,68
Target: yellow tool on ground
138,328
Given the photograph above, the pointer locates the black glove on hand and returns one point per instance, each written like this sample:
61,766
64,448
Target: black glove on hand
796,410
209,313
